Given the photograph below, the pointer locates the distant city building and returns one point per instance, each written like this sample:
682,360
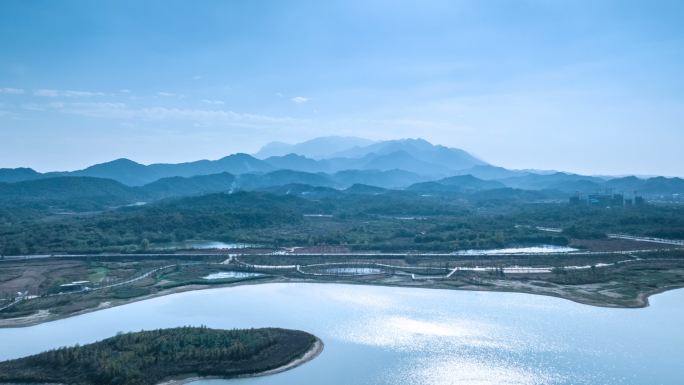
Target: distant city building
599,200
618,200
606,200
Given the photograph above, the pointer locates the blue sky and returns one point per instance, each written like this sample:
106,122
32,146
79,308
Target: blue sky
586,86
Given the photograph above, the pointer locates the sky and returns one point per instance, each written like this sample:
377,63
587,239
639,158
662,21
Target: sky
594,87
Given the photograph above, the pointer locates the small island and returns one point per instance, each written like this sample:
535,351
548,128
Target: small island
150,357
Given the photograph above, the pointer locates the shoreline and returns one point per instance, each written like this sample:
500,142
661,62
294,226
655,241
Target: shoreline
44,316
314,351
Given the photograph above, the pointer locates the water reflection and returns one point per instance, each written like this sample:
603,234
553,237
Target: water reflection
383,335
231,274
466,370
403,333
543,249
203,245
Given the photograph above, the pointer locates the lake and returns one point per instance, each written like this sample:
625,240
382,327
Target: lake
230,275
352,270
542,249
384,335
202,245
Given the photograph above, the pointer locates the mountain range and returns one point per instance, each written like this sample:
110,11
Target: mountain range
351,164
317,148
416,156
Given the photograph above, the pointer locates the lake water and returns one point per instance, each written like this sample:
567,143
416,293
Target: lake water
543,249
353,270
383,335
203,245
231,274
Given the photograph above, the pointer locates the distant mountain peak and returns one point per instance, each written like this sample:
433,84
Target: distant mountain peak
237,155
122,164
18,174
315,148
292,155
442,158
119,162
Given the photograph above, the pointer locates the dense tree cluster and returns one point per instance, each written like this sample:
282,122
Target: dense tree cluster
393,220
147,357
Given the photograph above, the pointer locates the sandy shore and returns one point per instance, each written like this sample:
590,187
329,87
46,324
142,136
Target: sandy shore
313,352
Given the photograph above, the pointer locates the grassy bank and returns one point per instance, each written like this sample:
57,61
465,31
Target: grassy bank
611,280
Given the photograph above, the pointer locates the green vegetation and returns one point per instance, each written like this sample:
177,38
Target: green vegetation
383,221
73,193
615,279
147,357
98,274
43,277
442,216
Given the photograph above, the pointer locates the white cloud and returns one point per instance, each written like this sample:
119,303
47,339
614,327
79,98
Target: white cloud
197,116
214,102
47,93
13,91
125,91
196,77
165,94
66,93
300,99
34,107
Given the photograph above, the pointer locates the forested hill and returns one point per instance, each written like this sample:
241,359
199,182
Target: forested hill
148,357
70,193
212,216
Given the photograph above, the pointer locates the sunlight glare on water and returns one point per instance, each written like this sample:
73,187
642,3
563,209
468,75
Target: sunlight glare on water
387,335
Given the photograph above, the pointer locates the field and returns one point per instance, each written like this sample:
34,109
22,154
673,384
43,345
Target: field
602,279
56,266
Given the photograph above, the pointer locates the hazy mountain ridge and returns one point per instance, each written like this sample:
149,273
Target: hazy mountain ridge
315,148
283,177
489,172
135,174
460,183
297,162
71,193
412,155
9,175
556,181
196,185
385,179
411,164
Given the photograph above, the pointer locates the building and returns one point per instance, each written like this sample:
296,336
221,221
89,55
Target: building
604,200
618,200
